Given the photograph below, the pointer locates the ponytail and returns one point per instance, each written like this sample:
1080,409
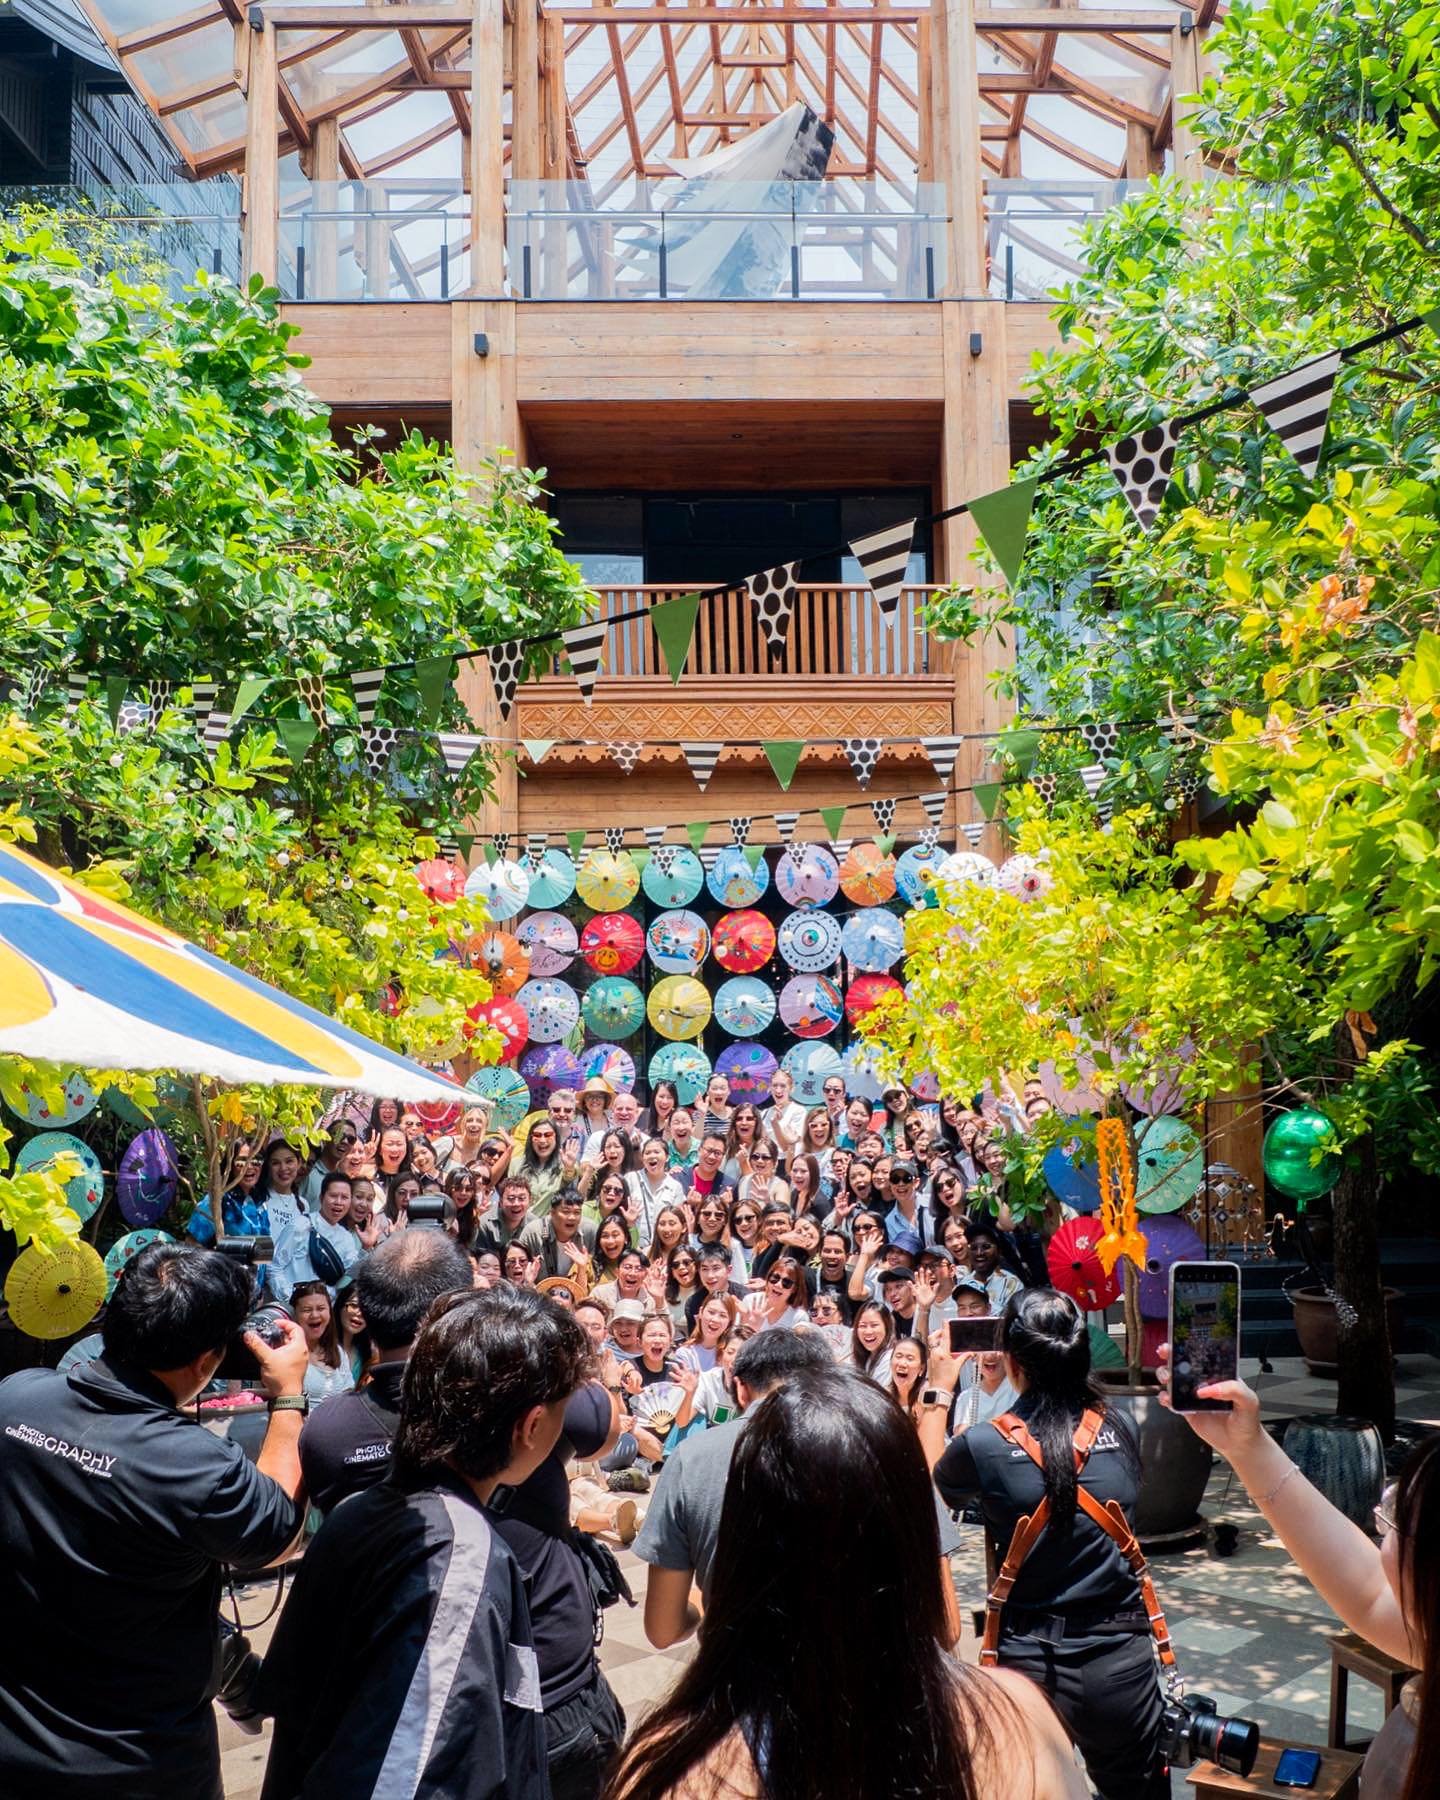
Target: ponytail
1046,1335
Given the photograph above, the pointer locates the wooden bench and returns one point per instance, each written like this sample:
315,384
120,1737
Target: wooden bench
1339,1777
1351,1655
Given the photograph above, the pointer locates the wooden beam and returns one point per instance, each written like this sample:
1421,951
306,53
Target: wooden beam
722,16
1021,18
963,173
1139,152
526,149
262,157
165,32
1185,80
486,163
368,17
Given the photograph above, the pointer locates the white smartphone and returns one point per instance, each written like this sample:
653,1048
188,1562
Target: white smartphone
1204,1332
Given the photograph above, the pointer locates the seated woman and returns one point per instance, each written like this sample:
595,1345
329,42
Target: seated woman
804,1685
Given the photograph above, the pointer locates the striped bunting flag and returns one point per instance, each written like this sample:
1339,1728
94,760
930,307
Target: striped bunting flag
203,695
707,854
942,752
974,831
366,684
77,685
934,805
585,647
840,848
1297,407
457,747
785,823
536,843
701,758
884,556
654,836
217,729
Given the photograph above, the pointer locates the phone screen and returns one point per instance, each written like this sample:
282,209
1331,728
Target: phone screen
1297,1768
1204,1331
972,1335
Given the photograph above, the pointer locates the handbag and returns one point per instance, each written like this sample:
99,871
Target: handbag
325,1260
604,1574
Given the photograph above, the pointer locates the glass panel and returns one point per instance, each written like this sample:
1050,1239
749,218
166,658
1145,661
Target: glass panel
162,234
184,62
1033,231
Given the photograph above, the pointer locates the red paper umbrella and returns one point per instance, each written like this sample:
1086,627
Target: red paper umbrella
866,992
441,878
1076,1269
509,1019
612,943
743,941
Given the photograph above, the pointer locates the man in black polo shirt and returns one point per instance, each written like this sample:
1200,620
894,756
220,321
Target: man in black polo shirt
117,1512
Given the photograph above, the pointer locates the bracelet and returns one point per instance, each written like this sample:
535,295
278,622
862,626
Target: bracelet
289,1403
1267,1499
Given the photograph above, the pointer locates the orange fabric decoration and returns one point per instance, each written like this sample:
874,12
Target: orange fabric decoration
1121,1234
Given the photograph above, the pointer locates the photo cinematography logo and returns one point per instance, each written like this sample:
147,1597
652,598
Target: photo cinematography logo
93,1462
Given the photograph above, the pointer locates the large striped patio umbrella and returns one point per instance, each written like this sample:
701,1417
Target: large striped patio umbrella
85,982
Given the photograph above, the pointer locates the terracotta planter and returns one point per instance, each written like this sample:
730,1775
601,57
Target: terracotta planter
1319,1335
1174,1463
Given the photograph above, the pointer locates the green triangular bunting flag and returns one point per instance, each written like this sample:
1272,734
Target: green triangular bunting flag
537,749
1432,319
248,692
987,794
466,842
114,698
492,852
1021,746
576,841
832,817
697,833
784,754
1002,519
674,622
297,735
754,855
432,681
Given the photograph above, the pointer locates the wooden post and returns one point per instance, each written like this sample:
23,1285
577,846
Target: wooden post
325,177
262,155
525,127
555,234
1139,151
487,149
1185,80
959,91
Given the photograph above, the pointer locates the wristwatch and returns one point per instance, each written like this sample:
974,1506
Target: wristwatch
289,1403
936,1396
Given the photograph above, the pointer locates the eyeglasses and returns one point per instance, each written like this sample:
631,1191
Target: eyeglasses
1384,1514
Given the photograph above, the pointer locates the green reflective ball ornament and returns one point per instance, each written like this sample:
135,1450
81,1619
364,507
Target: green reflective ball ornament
1299,1154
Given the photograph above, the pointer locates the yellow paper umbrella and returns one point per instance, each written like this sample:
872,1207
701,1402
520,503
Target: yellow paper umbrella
607,881
679,1007
54,1294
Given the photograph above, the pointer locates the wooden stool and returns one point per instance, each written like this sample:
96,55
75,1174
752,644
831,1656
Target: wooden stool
1339,1777
1351,1655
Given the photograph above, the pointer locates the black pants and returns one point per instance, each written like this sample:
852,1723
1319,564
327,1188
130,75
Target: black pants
1106,1690
583,1734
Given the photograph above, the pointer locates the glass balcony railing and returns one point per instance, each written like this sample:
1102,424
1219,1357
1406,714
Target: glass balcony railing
1033,231
162,234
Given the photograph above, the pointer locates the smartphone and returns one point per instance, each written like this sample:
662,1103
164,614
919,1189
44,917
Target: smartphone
1297,1768
970,1335
1204,1331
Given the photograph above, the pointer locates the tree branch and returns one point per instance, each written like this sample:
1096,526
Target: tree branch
1382,199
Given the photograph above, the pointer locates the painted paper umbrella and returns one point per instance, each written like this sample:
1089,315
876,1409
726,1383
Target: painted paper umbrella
748,1068
863,1079
810,941
686,1065
84,1350
873,939
55,1294
506,1091
679,1007
865,994
83,1191
123,1249
613,943
744,1006
552,1007
441,877
678,942
1026,877
502,958
1163,1090
926,1087
812,879
915,872
811,1005
1076,1185
613,1007
1075,1266
77,1098
808,1066
610,1063
1167,1240
1169,1164
503,886
968,868
553,882
439,1115
676,886
551,942
148,1177
549,1066
743,941
608,880
509,1018
733,882
868,876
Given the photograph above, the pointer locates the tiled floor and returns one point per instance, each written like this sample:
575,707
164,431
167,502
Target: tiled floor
1251,1630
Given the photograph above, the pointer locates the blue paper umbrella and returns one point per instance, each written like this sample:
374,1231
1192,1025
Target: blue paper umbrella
547,1067
553,1009
84,1350
551,940
748,1068
873,939
810,941
678,942
503,885
613,1007
1076,1185
1169,1164
808,1065
863,1080
915,871
123,1249
733,882
505,1088
553,882
83,1191
686,1065
610,1063
744,1006
149,1175
676,886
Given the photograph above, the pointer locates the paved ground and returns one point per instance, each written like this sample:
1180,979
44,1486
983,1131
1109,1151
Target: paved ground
1251,1631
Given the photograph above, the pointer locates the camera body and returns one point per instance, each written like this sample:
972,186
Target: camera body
1192,1730
240,1363
239,1674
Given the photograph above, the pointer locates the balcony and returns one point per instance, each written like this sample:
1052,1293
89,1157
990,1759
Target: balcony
1034,231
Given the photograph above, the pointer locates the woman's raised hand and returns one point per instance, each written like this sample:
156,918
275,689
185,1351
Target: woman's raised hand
1232,1433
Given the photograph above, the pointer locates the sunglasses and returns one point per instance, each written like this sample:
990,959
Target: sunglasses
712,1212
779,1281
902,1181
746,1218
757,1158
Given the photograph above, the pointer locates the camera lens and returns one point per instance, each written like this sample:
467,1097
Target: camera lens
1231,1744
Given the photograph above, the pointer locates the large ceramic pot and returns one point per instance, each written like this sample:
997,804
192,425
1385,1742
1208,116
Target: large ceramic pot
1344,1458
1174,1463
1319,1334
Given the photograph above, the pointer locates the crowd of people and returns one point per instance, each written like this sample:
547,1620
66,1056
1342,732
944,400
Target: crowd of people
718,1332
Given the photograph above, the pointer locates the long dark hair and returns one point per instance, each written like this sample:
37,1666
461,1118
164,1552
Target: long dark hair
1045,1332
828,1475
1417,1520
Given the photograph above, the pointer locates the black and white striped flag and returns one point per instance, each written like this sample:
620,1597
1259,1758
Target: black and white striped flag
884,556
536,843
77,685
585,647
654,836
203,695
707,854
457,747
934,805
974,830
1297,407
785,823
217,729
366,684
701,758
942,752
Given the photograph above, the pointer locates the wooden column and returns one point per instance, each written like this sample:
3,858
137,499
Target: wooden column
957,137
486,166
554,234
1140,158
975,459
262,157
324,171
1185,80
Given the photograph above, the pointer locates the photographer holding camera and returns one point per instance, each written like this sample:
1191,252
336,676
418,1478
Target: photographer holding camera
117,1513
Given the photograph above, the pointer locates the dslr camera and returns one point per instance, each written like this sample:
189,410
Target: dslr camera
240,1363
239,1676
1192,1730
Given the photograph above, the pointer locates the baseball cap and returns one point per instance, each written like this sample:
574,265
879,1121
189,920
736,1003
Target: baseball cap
628,1309
939,1252
889,1276
903,1167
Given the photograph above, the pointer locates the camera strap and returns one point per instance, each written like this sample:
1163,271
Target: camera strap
1110,1518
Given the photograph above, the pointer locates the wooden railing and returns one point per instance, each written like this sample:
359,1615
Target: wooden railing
834,630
